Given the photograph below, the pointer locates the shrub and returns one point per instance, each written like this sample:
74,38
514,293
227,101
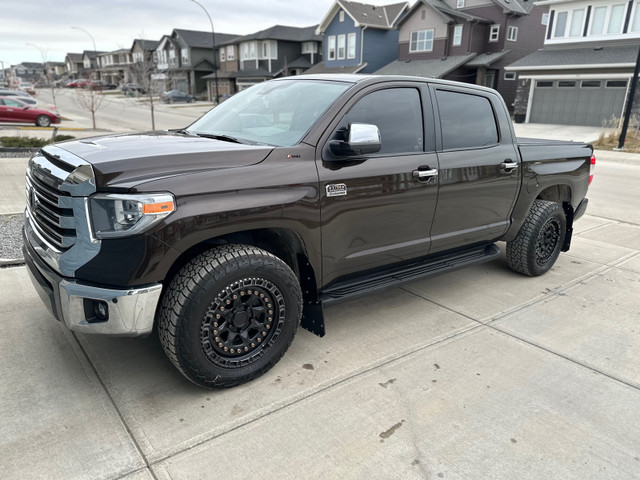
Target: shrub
30,142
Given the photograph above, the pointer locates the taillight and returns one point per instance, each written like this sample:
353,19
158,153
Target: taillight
592,168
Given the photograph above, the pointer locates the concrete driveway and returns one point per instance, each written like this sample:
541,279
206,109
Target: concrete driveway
481,373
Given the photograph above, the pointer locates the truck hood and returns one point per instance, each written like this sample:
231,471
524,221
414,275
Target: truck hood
127,160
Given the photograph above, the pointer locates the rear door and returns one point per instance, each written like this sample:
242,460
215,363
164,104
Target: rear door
479,168
377,211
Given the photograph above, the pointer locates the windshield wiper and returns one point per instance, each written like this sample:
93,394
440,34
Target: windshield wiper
216,136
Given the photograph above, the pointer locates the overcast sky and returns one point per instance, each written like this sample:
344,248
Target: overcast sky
115,24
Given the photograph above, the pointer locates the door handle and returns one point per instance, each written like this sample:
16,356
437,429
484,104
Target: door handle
508,166
424,173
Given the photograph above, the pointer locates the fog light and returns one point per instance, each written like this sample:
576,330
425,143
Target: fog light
101,310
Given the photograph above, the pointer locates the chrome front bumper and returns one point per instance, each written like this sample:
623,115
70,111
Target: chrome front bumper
130,312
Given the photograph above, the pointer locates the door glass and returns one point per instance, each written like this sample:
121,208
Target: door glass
467,120
397,112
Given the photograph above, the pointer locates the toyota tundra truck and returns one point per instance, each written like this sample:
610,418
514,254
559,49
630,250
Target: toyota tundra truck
228,234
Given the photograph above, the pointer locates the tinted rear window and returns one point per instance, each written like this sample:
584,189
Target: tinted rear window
467,120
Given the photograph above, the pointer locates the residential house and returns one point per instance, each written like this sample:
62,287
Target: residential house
74,65
55,70
583,74
114,66
90,64
27,72
144,51
185,57
469,41
359,38
278,51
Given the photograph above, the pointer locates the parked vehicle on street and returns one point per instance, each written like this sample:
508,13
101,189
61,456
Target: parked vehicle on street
132,89
101,85
13,109
10,93
292,194
79,83
173,96
27,87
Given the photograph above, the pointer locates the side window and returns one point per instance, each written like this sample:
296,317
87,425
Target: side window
397,112
467,120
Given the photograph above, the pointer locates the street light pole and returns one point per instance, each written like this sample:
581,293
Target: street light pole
628,109
95,51
46,73
213,42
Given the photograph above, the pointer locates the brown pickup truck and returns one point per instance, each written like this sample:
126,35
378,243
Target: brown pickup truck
297,192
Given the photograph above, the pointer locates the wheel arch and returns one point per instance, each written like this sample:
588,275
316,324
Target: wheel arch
285,244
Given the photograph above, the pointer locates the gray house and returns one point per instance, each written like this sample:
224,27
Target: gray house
583,74
278,51
185,57
469,41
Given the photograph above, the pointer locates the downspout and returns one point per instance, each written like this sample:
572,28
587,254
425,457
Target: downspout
362,45
449,39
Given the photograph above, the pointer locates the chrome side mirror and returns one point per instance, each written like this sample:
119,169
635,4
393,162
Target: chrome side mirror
363,139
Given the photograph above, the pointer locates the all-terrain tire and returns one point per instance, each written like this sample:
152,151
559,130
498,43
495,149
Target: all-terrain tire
229,315
43,121
539,241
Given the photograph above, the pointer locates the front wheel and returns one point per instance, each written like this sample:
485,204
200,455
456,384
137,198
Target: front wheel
537,246
43,121
229,315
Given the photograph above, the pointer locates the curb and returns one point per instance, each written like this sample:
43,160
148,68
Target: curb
6,262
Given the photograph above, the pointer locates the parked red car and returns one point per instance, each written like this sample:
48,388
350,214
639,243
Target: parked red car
81,83
13,110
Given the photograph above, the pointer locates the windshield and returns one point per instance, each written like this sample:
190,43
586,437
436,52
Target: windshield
276,113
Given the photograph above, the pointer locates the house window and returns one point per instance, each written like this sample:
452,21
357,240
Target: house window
561,24
616,19
512,34
269,50
342,45
457,35
342,15
223,55
577,20
231,53
541,84
591,84
494,33
309,47
509,75
545,19
608,20
423,14
248,51
331,47
460,4
616,84
351,45
421,41
635,24
185,56
566,84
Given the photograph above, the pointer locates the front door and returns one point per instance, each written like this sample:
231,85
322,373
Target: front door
375,211
479,169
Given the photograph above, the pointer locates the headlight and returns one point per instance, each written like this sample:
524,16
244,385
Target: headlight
114,215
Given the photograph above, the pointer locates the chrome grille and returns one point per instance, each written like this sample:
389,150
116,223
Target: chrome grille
51,212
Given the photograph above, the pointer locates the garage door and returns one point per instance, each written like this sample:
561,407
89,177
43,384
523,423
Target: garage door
577,102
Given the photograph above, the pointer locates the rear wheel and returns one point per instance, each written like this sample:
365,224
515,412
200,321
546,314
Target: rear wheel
537,246
229,315
43,121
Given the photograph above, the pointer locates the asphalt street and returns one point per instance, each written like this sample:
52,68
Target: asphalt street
481,373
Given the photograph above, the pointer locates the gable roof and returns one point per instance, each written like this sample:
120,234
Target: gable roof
522,7
364,15
280,32
445,11
146,45
74,57
197,39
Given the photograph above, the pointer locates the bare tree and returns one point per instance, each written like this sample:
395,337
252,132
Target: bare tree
144,72
90,100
